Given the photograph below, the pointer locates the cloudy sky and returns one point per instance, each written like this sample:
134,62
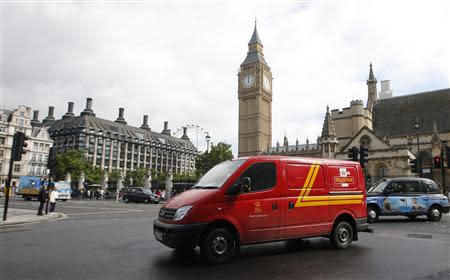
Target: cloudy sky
178,60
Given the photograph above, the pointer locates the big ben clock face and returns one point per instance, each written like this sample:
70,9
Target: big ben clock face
266,83
248,81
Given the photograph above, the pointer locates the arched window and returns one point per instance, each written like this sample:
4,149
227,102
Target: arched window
381,170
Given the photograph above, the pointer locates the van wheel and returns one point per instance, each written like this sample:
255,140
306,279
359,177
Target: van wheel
218,246
342,235
434,213
372,214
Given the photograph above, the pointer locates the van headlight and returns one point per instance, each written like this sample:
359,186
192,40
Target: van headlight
181,212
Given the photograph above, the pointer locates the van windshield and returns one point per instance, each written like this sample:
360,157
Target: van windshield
217,175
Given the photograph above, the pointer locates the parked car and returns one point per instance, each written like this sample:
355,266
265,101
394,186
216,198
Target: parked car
139,195
409,197
266,199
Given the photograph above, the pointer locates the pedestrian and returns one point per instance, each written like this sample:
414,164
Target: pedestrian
53,197
42,197
88,194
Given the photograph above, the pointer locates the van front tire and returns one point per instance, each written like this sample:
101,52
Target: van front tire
218,246
342,235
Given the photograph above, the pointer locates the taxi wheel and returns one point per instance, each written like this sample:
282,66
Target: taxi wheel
434,214
342,235
372,214
218,246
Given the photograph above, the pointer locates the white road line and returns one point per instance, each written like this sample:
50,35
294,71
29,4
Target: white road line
100,213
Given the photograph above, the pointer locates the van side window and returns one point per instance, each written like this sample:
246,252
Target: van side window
413,187
262,176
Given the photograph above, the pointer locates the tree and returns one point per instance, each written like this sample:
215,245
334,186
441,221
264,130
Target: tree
72,161
93,174
219,153
135,178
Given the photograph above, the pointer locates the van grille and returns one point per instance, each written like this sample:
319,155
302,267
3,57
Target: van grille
167,213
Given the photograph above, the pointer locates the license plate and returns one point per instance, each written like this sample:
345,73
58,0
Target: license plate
158,235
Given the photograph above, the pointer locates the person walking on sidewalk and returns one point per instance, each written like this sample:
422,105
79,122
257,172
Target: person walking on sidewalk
53,197
42,197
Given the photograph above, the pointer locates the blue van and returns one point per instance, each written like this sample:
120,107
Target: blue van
409,197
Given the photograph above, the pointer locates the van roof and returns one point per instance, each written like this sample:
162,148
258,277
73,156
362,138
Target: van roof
321,161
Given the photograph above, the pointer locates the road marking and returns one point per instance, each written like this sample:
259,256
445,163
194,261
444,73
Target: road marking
100,213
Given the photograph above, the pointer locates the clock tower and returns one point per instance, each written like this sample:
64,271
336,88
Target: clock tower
255,101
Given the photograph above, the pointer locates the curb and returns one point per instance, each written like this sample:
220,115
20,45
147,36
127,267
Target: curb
31,219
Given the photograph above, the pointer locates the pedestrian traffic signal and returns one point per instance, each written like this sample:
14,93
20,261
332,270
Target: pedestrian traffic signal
437,163
414,166
363,156
353,154
19,146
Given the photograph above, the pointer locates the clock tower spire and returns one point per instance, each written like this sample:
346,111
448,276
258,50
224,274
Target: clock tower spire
255,100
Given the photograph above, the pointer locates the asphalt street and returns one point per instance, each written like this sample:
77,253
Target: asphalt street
108,240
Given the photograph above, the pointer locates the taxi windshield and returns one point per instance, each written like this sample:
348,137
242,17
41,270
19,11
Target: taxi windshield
217,175
378,187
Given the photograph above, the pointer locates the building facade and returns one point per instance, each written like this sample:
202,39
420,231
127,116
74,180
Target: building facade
255,101
34,162
115,145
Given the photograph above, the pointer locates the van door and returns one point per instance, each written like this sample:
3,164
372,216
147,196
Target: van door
306,201
257,208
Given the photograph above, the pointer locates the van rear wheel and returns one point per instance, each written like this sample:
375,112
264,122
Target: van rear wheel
342,235
218,246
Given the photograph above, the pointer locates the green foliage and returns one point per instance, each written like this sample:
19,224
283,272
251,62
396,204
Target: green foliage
93,174
114,175
72,162
219,153
135,178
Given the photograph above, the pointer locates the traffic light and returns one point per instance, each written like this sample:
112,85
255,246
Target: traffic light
437,163
353,154
414,166
19,146
363,156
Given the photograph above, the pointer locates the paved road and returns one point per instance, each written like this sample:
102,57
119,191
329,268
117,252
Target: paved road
107,240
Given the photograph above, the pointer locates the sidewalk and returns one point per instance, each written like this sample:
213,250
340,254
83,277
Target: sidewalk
22,216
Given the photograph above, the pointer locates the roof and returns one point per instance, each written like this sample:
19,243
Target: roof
98,125
307,160
255,37
6,112
395,116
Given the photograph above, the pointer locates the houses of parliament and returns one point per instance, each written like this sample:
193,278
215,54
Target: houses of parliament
384,123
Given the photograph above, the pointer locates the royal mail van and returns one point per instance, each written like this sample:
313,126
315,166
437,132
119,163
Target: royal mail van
264,199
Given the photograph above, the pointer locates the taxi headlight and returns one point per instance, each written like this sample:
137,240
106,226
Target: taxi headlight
181,212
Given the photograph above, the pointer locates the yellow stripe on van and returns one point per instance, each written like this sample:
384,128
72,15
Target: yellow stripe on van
330,202
331,197
305,185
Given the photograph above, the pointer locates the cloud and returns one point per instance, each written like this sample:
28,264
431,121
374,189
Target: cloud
178,61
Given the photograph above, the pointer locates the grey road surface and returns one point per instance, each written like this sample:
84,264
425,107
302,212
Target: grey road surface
108,240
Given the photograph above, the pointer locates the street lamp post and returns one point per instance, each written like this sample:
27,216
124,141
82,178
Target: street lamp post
208,138
419,161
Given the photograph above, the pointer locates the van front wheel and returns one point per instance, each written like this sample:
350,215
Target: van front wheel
218,246
342,235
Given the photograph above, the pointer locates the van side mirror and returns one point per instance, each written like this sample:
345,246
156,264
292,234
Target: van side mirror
244,185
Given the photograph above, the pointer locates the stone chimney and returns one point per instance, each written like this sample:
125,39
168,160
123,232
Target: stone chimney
386,91
145,123
88,110
185,137
35,120
121,119
50,117
166,128
69,113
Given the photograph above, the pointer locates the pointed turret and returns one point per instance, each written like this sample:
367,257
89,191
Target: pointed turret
328,140
435,138
371,89
255,49
255,37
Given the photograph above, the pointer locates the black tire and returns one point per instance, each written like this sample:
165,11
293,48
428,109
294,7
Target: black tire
372,214
434,213
218,246
342,235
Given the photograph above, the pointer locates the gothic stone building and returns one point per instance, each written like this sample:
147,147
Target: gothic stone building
385,125
116,145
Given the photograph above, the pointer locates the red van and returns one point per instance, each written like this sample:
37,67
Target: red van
264,199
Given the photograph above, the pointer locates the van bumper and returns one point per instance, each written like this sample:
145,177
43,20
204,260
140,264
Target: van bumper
176,235
363,226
